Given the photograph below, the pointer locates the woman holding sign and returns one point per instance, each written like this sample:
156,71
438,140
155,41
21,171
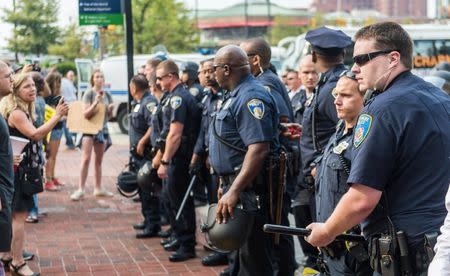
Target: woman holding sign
98,142
18,109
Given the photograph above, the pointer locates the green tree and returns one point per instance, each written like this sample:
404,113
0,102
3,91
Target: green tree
71,44
164,22
282,29
34,22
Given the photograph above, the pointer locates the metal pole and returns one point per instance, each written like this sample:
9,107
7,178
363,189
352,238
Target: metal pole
269,26
16,55
246,18
129,41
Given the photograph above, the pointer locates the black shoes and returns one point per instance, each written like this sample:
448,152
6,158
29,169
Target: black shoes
165,234
149,232
174,245
215,259
139,226
182,254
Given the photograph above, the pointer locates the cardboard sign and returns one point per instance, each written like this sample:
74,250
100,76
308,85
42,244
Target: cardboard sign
76,122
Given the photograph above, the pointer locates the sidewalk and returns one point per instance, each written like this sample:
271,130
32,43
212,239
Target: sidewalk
94,236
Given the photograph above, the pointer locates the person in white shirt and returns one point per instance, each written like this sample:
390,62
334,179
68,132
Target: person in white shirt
440,265
294,83
69,92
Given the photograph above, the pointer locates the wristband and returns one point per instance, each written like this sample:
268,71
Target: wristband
164,163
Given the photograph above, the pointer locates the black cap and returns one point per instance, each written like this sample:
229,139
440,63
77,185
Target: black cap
327,41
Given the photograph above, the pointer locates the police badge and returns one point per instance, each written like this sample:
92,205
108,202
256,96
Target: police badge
256,108
175,102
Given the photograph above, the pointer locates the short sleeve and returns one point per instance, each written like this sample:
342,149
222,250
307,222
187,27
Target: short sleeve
88,97
374,154
179,108
254,120
329,108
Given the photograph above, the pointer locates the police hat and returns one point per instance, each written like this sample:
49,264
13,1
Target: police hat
326,41
191,68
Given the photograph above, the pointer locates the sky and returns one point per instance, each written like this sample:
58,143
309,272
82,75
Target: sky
68,11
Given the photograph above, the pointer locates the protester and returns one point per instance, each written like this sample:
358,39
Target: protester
18,109
99,142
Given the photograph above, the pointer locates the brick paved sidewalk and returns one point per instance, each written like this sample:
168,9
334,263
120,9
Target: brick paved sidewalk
94,236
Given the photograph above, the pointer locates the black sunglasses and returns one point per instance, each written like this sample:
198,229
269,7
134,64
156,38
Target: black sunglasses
361,60
349,74
162,77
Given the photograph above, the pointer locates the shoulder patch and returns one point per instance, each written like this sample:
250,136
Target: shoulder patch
194,91
175,102
151,106
362,129
256,108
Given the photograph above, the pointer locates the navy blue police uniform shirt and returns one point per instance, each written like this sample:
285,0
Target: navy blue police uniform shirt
210,104
273,83
184,109
402,147
298,102
157,119
322,103
332,172
248,116
141,117
197,91
6,165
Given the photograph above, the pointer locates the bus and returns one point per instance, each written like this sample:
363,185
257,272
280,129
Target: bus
431,46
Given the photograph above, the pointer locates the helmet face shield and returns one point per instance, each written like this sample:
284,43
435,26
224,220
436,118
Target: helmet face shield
227,236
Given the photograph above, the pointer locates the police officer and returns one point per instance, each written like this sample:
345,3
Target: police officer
302,196
332,173
211,102
319,117
140,130
243,135
401,157
259,55
182,119
189,77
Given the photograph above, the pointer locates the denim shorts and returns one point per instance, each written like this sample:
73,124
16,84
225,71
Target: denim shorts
56,134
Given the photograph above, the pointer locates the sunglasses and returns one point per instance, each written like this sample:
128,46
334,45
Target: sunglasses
361,60
349,74
162,77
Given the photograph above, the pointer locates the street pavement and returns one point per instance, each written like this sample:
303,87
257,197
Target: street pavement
94,236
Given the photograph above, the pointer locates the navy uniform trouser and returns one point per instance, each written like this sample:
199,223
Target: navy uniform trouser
347,265
150,207
175,188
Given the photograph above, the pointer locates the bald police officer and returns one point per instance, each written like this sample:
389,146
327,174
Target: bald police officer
401,157
243,135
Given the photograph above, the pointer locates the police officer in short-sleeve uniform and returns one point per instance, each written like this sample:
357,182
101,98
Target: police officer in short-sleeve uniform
247,119
140,122
189,76
182,109
401,157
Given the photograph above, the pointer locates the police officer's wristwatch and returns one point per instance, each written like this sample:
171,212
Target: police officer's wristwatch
164,162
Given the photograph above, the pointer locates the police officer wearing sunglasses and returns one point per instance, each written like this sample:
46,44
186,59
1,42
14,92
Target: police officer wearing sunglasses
400,165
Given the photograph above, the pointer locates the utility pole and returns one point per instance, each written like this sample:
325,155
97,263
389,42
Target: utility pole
246,18
129,43
269,21
16,55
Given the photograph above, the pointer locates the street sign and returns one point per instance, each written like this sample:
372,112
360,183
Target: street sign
100,12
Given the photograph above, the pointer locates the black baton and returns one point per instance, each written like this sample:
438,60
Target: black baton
186,195
286,230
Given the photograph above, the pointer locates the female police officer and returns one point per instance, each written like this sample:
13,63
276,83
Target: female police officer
333,170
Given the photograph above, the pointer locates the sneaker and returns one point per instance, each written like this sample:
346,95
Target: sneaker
56,182
77,195
103,193
50,186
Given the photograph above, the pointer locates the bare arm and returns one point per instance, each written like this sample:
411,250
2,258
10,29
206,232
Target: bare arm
91,108
354,207
143,142
173,140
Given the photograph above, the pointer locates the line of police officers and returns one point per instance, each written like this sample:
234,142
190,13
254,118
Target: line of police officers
386,164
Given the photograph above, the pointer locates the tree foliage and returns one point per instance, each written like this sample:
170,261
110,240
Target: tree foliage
282,29
35,28
71,44
162,22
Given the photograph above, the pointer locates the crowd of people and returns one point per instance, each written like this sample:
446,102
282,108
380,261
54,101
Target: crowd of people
361,151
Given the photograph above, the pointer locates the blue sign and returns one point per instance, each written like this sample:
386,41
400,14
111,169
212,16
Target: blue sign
100,6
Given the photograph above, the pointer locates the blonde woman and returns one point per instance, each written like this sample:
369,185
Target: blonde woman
98,142
51,183
18,110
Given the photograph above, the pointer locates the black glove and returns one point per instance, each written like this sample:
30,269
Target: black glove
195,169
